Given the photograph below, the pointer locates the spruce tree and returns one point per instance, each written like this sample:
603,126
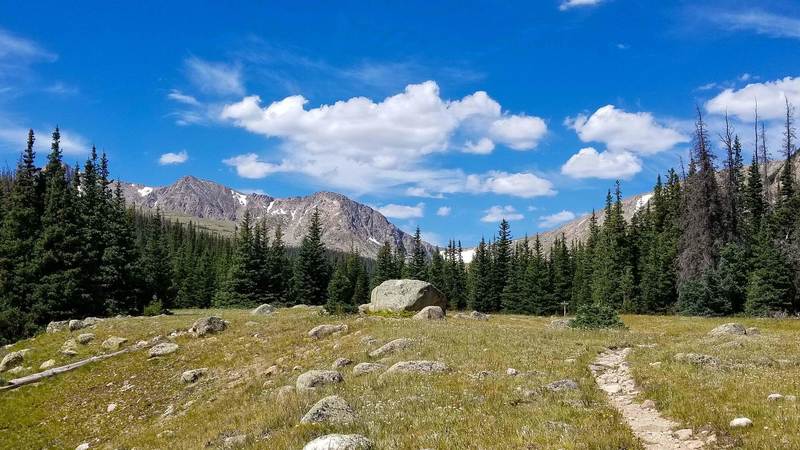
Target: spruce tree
156,269
311,272
417,268
119,277
341,289
279,270
241,288
385,268
501,266
481,279
537,295
769,287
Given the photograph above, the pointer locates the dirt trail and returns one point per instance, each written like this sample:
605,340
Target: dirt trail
612,373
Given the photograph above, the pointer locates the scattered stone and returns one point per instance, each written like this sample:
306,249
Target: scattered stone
684,434
113,343
430,313
85,338
263,310
316,378
48,364
165,348
697,359
368,340
56,326
423,367
655,364
562,427
208,325
405,295
365,367
732,328
18,370
774,397
12,359
561,385
331,409
89,321
741,422
363,309
75,324
191,376
570,360
478,315
70,348
166,434
512,372
321,331
341,362
111,407
84,446
168,412
791,398
559,324
272,370
297,368
482,375
340,442
283,393
391,347
237,440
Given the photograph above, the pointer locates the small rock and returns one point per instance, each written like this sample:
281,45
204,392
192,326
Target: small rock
113,343
75,324
208,325
272,370
364,368
166,434
774,397
56,326
697,359
283,393
341,362
234,441
297,368
320,331
741,422
391,347
655,364
422,367
168,412
753,331
477,315
363,309
89,321
683,434
790,398
512,372
12,359
559,324
732,328
162,349
190,376
18,370
430,313
48,364
649,404
340,442
84,446
111,407
331,409
316,378
263,310
562,385
85,338
368,340
70,348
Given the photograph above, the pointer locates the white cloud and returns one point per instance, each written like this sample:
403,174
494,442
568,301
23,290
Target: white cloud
569,4
71,143
771,97
444,211
759,21
623,131
518,132
248,166
483,147
362,145
498,213
173,158
16,47
180,97
556,219
524,184
214,77
416,191
394,211
588,163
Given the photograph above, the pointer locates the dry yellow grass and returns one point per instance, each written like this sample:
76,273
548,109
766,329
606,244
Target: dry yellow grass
443,411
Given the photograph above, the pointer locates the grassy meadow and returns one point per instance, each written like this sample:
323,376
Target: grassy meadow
459,409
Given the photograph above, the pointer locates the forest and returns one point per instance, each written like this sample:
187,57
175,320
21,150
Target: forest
711,241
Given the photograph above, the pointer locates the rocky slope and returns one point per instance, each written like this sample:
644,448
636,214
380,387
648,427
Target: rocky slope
346,223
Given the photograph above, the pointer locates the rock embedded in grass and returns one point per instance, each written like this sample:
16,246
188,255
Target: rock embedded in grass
50,363
70,348
331,409
405,295
113,343
430,313
84,446
562,385
237,440
76,324
85,338
165,348
283,393
774,397
559,324
365,367
732,328
741,422
263,310
111,407
317,378
512,372
341,362
340,442
208,325
191,376
12,359
58,325
321,331
422,367
391,347
697,359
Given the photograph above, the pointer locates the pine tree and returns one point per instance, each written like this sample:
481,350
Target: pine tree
155,267
311,272
537,294
501,266
341,289
481,279
417,268
436,271
513,295
241,288
385,268
279,270
769,287
753,201
119,276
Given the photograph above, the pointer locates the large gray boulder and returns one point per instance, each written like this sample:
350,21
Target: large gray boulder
340,442
12,359
60,325
208,325
732,328
317,378
263,310
406,295
392,347
331,409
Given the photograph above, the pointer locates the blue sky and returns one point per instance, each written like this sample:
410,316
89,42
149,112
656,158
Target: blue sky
448,115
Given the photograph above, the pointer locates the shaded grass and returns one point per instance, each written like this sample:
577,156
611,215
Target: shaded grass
444,411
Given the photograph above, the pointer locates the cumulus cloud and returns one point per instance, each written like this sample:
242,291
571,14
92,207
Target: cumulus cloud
215,77
394,211
770,95
444,211
569,4
363,145
497,213
173,158
623,131
556,219
589,163
249,166
483,147
524,184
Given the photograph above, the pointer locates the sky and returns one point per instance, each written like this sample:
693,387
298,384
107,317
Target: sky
444,115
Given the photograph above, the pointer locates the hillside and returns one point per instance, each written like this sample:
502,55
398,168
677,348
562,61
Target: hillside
132,401
346,223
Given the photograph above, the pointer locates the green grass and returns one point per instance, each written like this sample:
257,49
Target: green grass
443,411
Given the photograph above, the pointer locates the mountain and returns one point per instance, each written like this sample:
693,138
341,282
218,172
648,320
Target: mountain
346,223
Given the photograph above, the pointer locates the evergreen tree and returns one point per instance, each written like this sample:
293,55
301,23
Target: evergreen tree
385,268
769,287
154,264
481,278
241,288
501,266
279,270
537,295
417,268
119,277
341,289
312,271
